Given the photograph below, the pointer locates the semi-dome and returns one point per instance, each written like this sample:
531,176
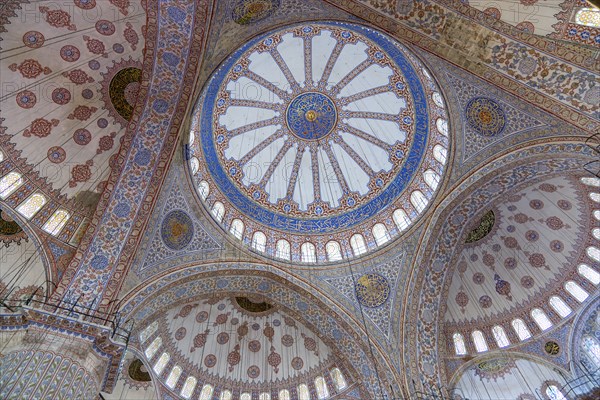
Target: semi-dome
319,141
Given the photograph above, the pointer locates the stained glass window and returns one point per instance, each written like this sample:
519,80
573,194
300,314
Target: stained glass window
333,250
357,242
541,319
479,341
591,348
206,393
283,249
218,211
440,153
442,126
588,273
593,253
521,329
418,200
237,228
161,363
591,181
226,395
321,387
588,17
195,165
554,393
303,392
10,183
500,336
259,241
148,331
308,252
264,396
595,197
203,189
459,344
174,376
154,346
246,396
432,179
32,205
338,379
576,291
188,388
560,306
401,219
381,234
56,222
284,394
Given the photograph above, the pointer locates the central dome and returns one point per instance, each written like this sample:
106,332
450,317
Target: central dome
317,129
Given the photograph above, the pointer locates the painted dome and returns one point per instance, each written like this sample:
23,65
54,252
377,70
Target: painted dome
320,141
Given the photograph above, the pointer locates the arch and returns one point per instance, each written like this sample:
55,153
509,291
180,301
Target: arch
338,379
521,329
246,396
259,241
479,341
560,306
308,253
321,388
442,126
589,273
188,388
148,331
596,233
333,250
432,179
237,228
226,395
459,344
437,99
153,348
303,392
203,189
206,393
195,164
553,392
500,336
588,17
541,319
358,245
381,234
32,205
591,181
418,200
283,249
1,156
576,291
440,153
401,219
56,222
595,197
218,211
264,396
594,253
161,363
284,394
9,183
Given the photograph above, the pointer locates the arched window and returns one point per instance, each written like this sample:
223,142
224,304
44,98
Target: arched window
338,379
591,349
500,336
596,233
226,395
246,396
554,393
148,331
401,219
576,291
237,228
203,189
521,329
591,181
282,249
161,363
597,214
264,396
308,253
56,222
192,137
432,179
560,306
218,211
259,241
154,346
1,156
303,392
418,200
593,253
284,394
588,273
321,387
333,250
437,99
357,242
173,377
588,17
459,344
541,319
479,341
32,205
188,388
381,234
442,126
195,164
440,153
10,183
206,393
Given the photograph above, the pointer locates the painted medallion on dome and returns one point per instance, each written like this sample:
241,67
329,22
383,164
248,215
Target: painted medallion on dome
372,290
177,230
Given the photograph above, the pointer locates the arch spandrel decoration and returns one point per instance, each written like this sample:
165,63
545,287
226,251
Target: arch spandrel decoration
319,128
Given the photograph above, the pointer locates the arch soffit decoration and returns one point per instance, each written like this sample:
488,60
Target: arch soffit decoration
186,285
577,328
519,167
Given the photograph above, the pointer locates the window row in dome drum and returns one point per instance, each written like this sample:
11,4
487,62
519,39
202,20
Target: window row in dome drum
538,315
29,207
